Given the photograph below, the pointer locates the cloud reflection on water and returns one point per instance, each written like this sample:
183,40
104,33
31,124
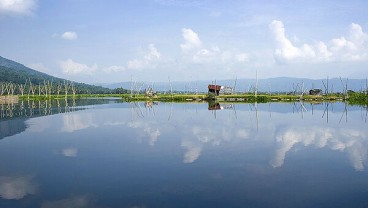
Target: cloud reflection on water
17,187
73,122
345,140
149,130
199,131
193,151
70,152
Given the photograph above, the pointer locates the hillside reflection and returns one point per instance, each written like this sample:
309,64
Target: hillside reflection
13,116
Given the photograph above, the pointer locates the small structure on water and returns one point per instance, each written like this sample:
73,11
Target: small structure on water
214,89
149,92
315,92
218,89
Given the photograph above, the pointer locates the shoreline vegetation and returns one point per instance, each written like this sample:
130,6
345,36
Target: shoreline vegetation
358,98
351,98
12,92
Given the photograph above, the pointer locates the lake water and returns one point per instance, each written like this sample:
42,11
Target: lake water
106,153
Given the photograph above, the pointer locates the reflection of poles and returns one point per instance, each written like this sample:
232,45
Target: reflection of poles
66,105
45,108
302,109
131,111
344,112
138,109
153,111
22,109
9,110
2,111
58,105
149,108
39,106
256,107
236,117
215,113
74,104
295,108
171,108
269,108
363,114
31,108
326,110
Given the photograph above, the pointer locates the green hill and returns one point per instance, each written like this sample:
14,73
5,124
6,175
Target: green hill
11,71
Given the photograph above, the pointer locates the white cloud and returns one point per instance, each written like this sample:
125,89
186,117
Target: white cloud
17,7
16,187
215,14
136,64
39,67
153,53
351,48
242,57
71,67
192,41
114,68
194,50
149,59
69,36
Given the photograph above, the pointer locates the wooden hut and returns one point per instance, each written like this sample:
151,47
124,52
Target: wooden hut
214,89
315,92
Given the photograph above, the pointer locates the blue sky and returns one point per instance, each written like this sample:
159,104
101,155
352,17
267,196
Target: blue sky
109,41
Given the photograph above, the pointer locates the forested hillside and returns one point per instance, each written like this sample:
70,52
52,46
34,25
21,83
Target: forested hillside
16,73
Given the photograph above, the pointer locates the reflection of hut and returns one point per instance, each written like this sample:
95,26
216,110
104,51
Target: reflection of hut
8,99
214,106
218,106
315,92
150,104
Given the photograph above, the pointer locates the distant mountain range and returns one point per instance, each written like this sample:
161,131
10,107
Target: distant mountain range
279,84
11,71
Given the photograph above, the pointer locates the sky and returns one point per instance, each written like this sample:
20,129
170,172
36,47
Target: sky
112,41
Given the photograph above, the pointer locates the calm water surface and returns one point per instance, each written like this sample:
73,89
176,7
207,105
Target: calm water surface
104,153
